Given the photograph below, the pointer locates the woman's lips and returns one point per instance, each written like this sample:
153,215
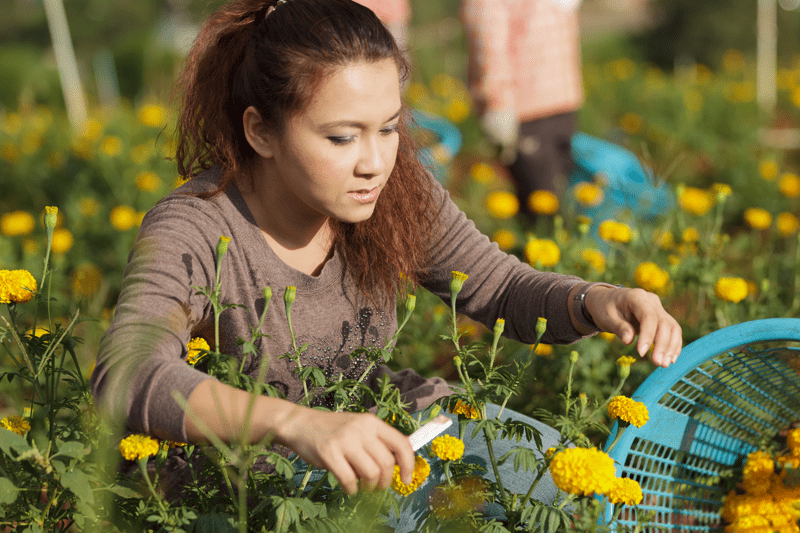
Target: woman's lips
365,196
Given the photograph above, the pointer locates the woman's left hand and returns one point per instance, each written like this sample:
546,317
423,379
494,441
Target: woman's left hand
631,312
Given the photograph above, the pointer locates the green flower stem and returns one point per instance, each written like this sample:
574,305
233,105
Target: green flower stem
529,494
494,464
316,487
303,483
142,462
618,436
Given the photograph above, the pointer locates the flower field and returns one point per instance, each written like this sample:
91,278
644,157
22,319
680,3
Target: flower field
726,251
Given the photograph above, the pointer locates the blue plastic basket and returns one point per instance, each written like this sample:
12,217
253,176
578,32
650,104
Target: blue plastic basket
441,153
728,391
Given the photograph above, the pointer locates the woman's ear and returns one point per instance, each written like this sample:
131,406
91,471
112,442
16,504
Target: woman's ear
257,133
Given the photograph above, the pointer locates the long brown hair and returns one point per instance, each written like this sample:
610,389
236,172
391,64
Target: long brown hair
245,55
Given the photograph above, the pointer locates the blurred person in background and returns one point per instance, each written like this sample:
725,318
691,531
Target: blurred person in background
524,75
395,15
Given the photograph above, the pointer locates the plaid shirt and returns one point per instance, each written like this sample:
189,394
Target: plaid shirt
525,54
389,11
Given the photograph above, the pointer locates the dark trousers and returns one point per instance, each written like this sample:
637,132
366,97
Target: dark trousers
544,159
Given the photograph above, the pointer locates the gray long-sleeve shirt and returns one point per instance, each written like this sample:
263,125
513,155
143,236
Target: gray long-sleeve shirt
141,363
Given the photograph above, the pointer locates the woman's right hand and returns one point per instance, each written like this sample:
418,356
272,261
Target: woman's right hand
358,448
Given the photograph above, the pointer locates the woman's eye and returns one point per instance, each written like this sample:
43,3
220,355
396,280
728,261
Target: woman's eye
341,140
389,130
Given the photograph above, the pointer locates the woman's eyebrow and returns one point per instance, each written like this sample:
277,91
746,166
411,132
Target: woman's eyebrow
354,124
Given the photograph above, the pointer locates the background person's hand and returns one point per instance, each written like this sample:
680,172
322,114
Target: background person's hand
358,448
631,312
502,128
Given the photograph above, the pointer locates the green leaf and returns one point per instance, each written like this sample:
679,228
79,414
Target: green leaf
10,440
72,449
78,483
8,492
124,492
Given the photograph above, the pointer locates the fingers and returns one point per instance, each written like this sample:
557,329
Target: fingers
629,312
657,328
362,452
403,454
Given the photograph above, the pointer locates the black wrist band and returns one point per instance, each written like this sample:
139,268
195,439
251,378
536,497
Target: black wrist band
582,315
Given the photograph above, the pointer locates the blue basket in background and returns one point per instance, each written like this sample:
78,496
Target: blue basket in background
631,193
437,156
728,391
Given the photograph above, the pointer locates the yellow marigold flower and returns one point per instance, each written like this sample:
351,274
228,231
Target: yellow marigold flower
588,194
482,173
695,201
468,411
722,190
86,280
787,224
793,440
626,491
195,346
690,234
611,230
147,181
608,337
626,360
421,471
62,241
152,115
505,239
757,472
543,251
543,202
731,289
628,410
16,286
447,448
123,217
543,350
16,223
757,218
457,109
172,444
664,239
631,123
138,447
583,471
111,146
88,206
595,259
789,185
15,423
768,169
502,204
651,277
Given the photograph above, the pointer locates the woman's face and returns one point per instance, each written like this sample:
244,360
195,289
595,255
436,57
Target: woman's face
334,158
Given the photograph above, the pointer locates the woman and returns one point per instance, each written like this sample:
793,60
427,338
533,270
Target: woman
295,138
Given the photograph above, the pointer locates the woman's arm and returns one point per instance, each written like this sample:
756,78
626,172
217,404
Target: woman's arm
358,448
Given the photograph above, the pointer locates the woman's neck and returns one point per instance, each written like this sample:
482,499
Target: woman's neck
303,243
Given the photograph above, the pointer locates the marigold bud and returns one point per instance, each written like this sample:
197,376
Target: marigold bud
457,280
411,303
289,295
541,326
583,399
267,294
222,246
499,326
573,356
50,217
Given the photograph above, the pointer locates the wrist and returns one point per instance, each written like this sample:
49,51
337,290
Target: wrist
581,317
